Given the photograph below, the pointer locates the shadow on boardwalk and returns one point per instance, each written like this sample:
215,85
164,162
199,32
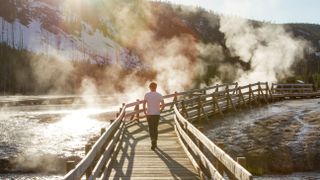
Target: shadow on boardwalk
137,161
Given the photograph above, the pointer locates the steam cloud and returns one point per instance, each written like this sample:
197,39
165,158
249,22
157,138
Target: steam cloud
174,62
268,48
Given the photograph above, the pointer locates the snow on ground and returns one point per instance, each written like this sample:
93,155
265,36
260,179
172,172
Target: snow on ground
91,44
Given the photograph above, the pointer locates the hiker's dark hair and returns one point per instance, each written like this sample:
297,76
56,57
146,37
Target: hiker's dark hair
153,85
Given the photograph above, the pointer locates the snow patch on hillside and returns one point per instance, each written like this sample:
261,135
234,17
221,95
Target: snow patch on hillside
91,45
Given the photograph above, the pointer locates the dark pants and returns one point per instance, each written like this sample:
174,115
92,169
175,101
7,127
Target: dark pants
153,122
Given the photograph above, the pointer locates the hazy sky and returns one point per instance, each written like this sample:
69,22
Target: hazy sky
276,11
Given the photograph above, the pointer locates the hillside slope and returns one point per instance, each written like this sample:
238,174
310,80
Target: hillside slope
140,40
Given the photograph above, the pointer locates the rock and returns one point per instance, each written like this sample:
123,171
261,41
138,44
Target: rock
272,145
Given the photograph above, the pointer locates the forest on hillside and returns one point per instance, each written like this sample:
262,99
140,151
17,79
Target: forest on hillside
18,75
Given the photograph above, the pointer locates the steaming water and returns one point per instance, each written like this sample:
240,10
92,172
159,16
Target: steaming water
305,129
38,139
294,176
237,123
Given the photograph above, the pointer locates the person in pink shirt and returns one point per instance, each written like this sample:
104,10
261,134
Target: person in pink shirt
153,105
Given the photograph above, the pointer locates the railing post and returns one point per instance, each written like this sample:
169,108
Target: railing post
70,165
229,99
89,170
216,104
267,91
242,161
226,90
118,114
102,130
235,88
137,109
218,164
221,167
200,146
213,103
184,110
175,99
199,106
259,91
250,92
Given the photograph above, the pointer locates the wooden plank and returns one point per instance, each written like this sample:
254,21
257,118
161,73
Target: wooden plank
135,158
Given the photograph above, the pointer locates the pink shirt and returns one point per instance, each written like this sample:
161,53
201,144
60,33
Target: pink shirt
153,100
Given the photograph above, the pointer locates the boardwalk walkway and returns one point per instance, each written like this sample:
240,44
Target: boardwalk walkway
123,149
137,161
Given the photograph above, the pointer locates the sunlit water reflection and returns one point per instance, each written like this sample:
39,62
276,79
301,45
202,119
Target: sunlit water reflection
40,138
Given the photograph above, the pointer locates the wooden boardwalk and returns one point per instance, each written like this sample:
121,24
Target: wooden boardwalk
184,152
137,161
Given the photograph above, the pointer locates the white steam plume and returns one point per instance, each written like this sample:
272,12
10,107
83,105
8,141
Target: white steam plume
268,48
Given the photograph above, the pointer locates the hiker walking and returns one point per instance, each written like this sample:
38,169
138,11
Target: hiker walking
153,104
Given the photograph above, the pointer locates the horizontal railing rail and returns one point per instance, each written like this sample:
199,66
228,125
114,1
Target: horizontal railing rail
194,140
88,162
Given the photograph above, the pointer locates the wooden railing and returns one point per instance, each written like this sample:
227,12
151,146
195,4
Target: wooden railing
101,152
201,106
293,90
206,157
106,147
187,106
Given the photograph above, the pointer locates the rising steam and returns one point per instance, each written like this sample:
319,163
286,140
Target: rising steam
146,49
268,48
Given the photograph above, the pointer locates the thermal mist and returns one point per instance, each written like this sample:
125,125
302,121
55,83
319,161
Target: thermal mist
138,49
268,48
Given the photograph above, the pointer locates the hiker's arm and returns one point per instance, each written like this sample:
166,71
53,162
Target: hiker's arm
162,105
144,107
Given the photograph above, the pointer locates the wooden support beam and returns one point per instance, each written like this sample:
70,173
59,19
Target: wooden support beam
215,101
175,99
252,97
198,108
218,165
270,92
242,161
241,98
261,93
204,113
70,165
229,99
184,110
235,88
137,109
89,170
225,95
102,130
